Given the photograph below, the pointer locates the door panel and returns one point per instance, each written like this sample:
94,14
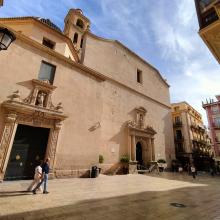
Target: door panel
28,149
139,153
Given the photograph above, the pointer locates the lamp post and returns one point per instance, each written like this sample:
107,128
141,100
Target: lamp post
6,38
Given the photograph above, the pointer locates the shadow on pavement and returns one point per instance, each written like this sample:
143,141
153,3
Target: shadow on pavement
140,206
14,193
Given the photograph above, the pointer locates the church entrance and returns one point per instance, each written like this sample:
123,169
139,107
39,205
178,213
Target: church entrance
29,147
139,157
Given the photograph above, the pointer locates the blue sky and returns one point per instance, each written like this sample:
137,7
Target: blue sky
163,32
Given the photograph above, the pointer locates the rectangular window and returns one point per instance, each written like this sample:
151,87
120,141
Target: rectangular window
47,72
217,139
81,43
215,109
217,122
48,43
178,134
139,76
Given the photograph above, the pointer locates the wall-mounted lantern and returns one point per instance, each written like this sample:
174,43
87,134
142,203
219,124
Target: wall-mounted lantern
6,38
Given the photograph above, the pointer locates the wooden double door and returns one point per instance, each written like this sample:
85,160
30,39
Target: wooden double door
29,147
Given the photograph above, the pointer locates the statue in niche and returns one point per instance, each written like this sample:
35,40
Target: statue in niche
40,99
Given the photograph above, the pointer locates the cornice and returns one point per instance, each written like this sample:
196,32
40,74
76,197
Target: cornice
139,93
209,27
205,105
34,21
79,14
15,106
208,31
131,52
58,55
188,105
98,76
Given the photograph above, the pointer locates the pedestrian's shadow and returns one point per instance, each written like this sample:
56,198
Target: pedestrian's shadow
14,193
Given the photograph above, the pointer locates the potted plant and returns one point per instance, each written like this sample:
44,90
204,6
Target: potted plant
162,164
124,160
101,160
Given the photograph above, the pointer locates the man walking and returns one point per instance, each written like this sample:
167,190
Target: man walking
37,177
45,171
193,171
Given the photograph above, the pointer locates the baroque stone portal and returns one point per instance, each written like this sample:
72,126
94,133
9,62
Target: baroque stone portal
138,132
35,110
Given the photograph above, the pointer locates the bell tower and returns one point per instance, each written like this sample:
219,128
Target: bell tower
76,24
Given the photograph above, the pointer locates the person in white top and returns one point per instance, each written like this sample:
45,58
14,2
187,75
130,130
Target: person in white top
193,171
37,177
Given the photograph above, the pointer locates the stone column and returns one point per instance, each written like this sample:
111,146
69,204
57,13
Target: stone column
149,146
6,141
52,145
133,147
152,149
130,149
34,96
48,100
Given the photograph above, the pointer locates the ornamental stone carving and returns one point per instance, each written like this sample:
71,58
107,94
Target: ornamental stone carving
35,110
139,132
138,123
41,95
15,96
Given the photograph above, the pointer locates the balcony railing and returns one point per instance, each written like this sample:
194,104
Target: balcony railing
198,128
200,141
209,18
216,112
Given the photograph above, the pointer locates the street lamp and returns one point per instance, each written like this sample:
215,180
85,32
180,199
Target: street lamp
6,37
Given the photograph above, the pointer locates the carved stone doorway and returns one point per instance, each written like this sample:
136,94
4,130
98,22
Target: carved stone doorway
36,110
141,140
28,149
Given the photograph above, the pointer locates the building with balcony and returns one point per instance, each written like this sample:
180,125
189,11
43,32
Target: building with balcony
72,96
190,135
213,114
208,12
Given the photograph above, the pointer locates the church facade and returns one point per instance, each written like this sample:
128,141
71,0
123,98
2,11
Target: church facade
72,96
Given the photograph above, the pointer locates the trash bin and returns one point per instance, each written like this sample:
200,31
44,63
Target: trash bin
94,172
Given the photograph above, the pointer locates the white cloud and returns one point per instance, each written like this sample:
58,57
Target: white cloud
196,73
163,31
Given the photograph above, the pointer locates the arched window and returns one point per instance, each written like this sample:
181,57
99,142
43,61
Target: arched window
79,23
81,43
75,38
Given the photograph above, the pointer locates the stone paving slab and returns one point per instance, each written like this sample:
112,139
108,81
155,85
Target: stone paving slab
121,197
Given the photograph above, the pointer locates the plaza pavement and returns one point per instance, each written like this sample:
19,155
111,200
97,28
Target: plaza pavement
122,197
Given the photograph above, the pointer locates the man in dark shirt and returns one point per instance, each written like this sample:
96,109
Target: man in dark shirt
45,171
